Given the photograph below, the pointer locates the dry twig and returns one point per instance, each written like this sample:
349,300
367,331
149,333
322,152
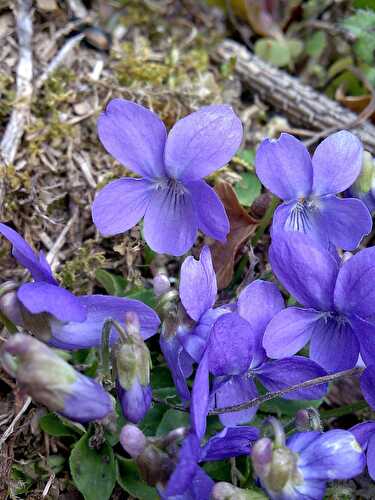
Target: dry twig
18,119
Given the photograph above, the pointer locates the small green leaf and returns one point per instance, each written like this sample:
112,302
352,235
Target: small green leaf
248,189
218,470
129,479
145,295
54,426
171,420
247,156
93,471
276,52
316,44
295,47
152,420
113,284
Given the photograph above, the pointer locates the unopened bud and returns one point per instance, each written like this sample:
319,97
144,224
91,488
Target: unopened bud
161,284
308,420
133,440
276,466
261,456
51,381
10,306
226,491
155,466
365,180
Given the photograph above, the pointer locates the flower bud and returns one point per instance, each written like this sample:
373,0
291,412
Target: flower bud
133,362
133,440
226,491
308,420
53,382
10,306
364,186
155,466
276,467
161,284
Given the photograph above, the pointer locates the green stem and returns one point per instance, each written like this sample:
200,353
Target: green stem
265,222
344,410
9,325
105,348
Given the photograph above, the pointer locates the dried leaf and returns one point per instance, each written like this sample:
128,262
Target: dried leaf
242,226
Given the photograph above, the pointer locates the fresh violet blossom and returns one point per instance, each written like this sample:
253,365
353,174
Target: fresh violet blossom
172,196
309,186
302,469
338,302
257,304
238,359
53,382
365,435
187,342
73,322
188,479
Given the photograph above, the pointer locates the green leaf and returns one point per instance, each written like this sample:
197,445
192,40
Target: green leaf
145,295
364,4
295,47
218,470
247,156
54,426
171,420
152,420
93,471
129,479
113,284
248,189
316,44
276,52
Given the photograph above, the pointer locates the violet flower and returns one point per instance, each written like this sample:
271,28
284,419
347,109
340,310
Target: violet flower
338,304
188,479
171,195
308,187
58,317
257,304
301,468
187,342
53,382
365,435
132,361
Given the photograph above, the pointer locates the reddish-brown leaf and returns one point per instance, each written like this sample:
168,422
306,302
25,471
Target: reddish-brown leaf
242,226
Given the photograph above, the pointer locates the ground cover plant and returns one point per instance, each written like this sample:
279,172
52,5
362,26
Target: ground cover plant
187,301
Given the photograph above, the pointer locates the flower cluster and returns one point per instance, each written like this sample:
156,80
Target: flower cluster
223,354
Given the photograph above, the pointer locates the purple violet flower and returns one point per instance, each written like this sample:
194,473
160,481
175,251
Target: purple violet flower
53,382
171,195
301,469
338,304
188,479
60,318
258,303
198,289
365,435
309,186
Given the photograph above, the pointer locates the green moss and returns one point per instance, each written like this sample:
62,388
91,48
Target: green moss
78,273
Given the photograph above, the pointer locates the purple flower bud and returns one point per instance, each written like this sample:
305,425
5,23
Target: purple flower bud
261,456
10,306
226,491
53,382
135,401
132,361
308,420
161,284
132,440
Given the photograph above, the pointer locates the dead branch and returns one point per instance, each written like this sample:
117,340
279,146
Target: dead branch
20,113
301,104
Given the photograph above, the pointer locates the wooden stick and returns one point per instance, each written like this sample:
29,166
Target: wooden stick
301,104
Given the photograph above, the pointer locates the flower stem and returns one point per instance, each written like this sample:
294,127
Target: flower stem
265,222
277,394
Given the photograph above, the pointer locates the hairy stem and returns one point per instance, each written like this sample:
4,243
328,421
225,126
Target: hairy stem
278,394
